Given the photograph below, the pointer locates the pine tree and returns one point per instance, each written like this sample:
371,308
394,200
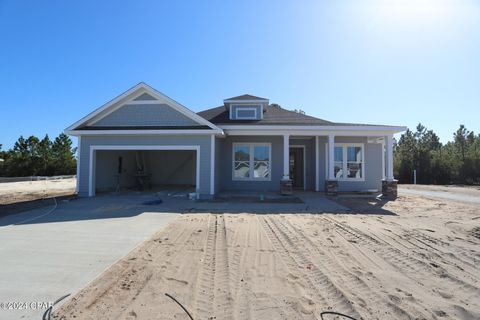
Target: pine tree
63,155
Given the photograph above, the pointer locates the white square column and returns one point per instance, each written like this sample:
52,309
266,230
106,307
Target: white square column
317,164
389,158
331,157
286,156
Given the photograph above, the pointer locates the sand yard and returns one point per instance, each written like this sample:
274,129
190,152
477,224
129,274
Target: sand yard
13,192
415,258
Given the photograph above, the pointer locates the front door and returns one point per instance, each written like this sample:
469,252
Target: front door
296,167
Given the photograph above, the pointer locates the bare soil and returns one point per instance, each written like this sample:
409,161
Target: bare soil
14,192
414,258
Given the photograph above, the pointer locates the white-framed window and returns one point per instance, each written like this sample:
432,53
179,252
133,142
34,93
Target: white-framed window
349,161
251,161
246,113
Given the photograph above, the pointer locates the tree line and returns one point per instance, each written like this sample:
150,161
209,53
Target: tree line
35,157
456,162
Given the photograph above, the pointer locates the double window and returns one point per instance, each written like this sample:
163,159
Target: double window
349,162
252,161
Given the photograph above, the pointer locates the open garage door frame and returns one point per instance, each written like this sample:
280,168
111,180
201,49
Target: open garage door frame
91,187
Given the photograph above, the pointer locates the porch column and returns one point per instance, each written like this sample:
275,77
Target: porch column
331,156
286,156
383,160
389,156
212,165
331,184
389,185
286,185
317,164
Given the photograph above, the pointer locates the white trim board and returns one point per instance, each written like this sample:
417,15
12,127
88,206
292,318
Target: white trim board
212,165
314,127
317,163
129,96
93,148
143,132
305,131
304,163
79,146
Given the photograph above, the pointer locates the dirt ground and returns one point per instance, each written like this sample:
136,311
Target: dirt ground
12,192
414,258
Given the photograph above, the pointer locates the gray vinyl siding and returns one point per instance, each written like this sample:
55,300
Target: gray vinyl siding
87,141
234,107
227,182
146,115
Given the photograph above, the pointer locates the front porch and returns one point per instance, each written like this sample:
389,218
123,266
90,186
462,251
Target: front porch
330,163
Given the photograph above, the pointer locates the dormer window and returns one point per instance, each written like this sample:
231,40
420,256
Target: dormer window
246,112
243,111
246,107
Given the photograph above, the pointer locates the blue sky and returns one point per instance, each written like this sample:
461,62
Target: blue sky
394,62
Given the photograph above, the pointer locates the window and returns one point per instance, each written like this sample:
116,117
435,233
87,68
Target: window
354,162
338,163
349,162
246,113
251,161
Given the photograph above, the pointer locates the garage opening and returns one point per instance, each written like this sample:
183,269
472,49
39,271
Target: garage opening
157,170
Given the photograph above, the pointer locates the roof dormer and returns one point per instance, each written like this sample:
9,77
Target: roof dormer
246,107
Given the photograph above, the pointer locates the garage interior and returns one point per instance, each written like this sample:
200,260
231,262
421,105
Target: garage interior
157,170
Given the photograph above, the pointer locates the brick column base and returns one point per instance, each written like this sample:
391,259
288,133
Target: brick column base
286,187
389,189
331,187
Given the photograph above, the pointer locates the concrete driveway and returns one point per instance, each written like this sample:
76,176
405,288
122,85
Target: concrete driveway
46,255
464,195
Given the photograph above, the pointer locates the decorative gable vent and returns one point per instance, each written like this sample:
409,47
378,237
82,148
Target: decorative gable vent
246,107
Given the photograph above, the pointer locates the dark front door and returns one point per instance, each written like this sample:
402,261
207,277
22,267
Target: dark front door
296,167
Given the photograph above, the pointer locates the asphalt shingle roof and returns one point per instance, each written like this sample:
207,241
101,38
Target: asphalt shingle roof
272,115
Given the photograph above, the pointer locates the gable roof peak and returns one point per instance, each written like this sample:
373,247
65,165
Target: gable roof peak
245,97
129,95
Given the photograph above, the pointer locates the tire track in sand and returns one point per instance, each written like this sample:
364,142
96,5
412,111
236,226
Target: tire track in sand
416,269
213,299
319,285
353,284
240,289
